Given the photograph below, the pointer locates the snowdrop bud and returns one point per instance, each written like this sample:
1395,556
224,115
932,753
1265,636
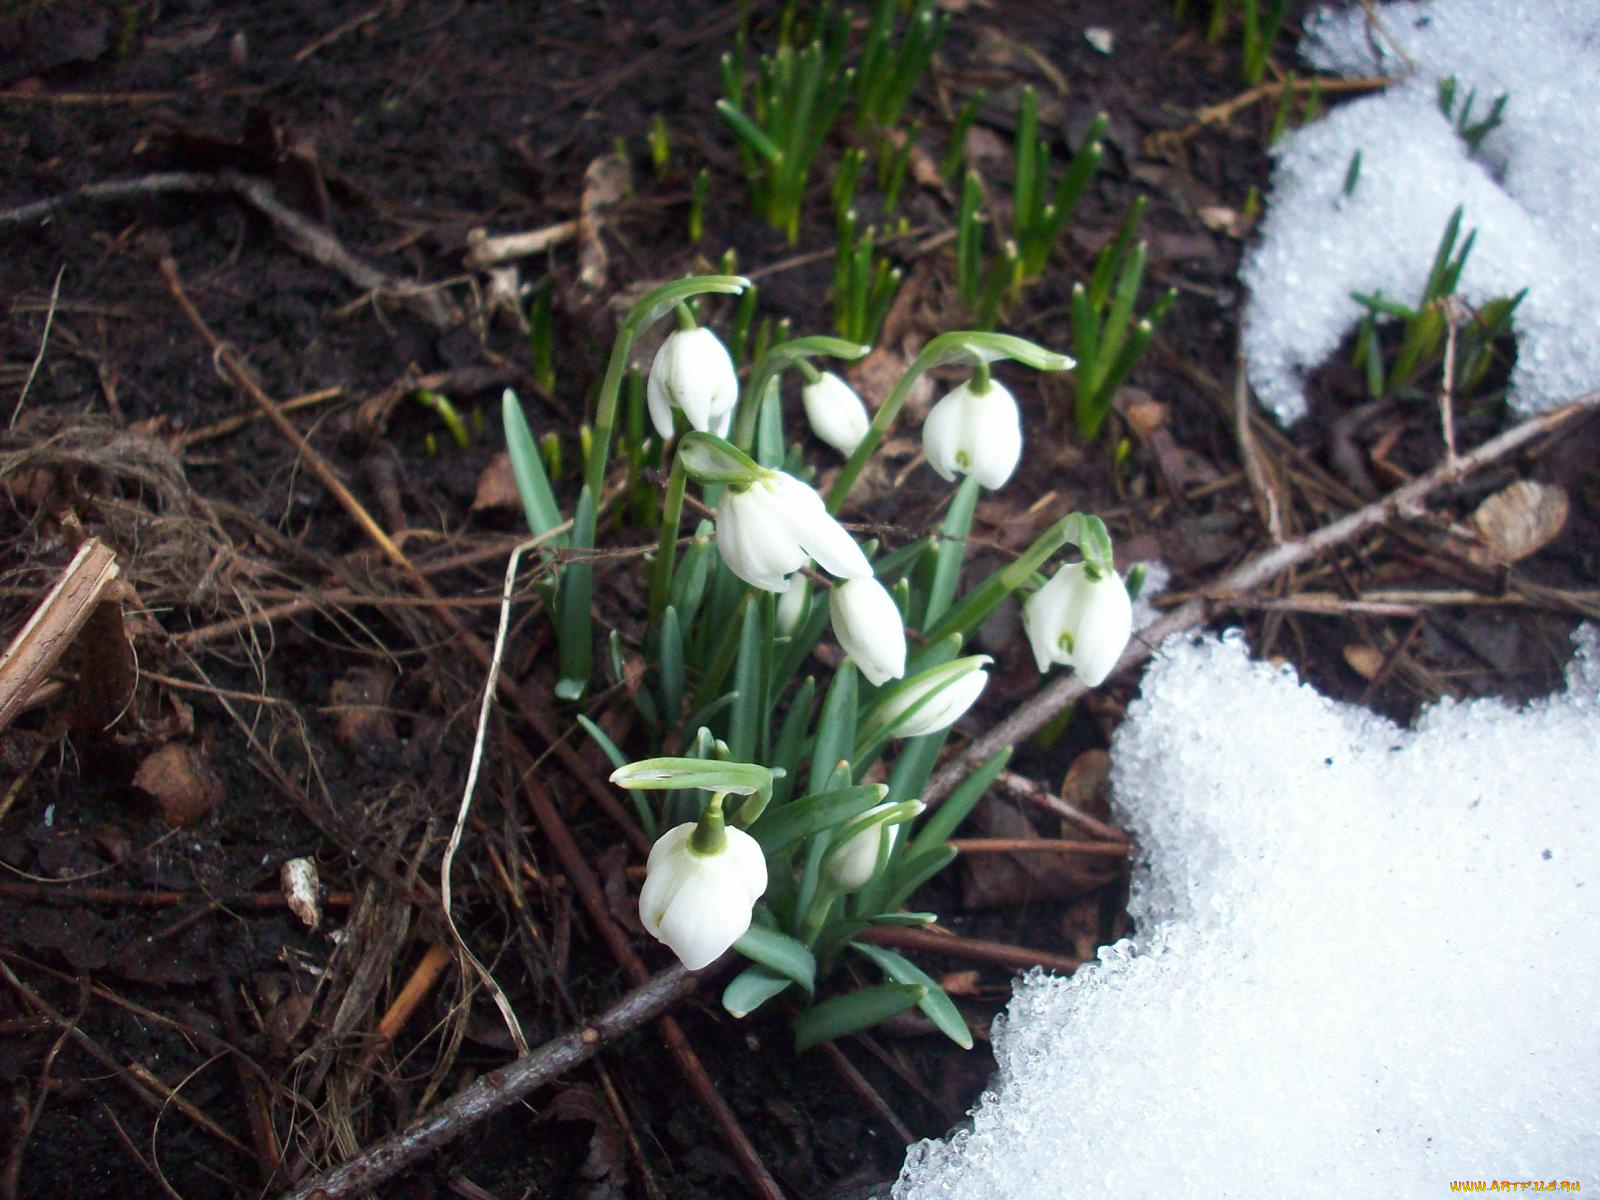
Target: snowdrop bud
836,413
974,432
937,698
868,626
692,371
767,530
792,604
698,901
850,867
1078,621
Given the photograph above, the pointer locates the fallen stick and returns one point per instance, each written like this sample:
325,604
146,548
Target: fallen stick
486,250
304,235
1031,716
497,1089
36,649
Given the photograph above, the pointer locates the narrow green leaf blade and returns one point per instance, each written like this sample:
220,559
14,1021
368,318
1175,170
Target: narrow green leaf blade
853,1012
938,1007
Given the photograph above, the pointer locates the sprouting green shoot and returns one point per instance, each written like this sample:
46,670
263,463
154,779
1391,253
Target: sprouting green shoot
541,336
440,405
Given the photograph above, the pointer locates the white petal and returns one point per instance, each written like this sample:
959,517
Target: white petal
1103,630
700,904
977,433
814,529
869,627
946,708
1044,616
754,538
948,689
941,436
997,444
655,394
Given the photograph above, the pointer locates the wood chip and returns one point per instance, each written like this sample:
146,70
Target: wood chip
1366,661
180,780
301,890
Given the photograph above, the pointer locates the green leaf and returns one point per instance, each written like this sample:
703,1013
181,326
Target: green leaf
747,672
670,645
781,829
709,459
853,1012
667,774
658,303
943,821
952,549
935,1004
751,988
916,869
533,485
576,637
836,726
607,746
781,953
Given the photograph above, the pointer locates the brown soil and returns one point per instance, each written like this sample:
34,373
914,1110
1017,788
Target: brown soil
170,1025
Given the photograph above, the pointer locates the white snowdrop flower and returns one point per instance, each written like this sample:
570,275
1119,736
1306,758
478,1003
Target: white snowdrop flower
850,867
869,627
1080,622
692,371
836,413
974,432
937,698
699,901
767,530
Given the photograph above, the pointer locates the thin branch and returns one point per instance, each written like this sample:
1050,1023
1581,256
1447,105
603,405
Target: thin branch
497,1090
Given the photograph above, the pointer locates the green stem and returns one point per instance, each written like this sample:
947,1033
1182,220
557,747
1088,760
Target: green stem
667,551
710,834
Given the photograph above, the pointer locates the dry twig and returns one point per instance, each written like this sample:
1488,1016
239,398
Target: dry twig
497,1090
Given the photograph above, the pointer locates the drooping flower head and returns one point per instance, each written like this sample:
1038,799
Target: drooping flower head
692,372
1079,620
975,430
768,528
935,699
701,884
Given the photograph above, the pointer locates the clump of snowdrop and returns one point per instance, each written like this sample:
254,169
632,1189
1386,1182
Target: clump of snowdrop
769,837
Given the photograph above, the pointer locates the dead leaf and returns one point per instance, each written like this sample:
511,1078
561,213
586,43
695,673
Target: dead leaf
605,1170
1219,218
180,780
1001,880
359,699
1366,661
961,983
1087,787
497,485
1519,520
